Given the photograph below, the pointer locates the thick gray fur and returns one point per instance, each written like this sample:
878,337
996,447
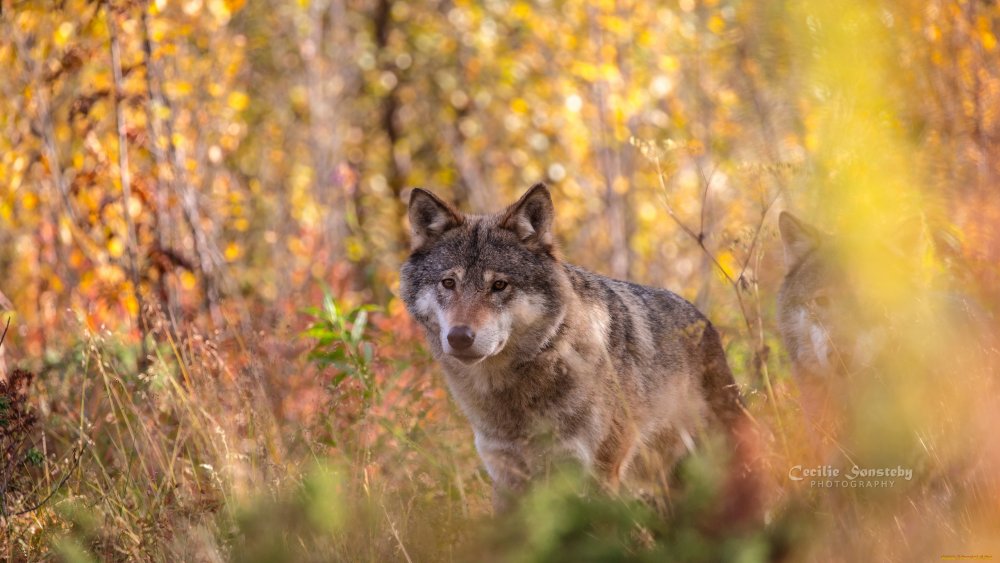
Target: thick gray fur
621,376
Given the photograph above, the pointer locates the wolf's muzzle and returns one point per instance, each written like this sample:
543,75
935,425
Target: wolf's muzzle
461,337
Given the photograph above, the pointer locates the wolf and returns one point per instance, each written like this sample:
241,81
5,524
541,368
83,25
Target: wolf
829,328
819,315
619,376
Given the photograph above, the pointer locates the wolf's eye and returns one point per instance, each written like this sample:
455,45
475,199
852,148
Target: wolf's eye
499,285
821,301
448,283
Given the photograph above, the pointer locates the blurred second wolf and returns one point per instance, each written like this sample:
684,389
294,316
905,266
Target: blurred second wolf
624,377
830,330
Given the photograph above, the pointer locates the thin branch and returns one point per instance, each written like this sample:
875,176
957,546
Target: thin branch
735,284
3,362
694,236
395,534
757,231
65,477
707,183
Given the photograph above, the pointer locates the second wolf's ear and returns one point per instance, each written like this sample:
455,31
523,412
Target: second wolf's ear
430,217
531,219
798,238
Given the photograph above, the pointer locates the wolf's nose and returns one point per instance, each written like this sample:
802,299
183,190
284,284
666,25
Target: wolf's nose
461,337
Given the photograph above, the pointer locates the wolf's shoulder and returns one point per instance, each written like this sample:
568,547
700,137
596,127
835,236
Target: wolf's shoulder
591,286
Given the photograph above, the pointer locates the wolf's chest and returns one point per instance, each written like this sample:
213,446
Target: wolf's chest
549,397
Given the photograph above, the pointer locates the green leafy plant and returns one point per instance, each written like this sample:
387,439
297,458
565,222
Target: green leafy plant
341,343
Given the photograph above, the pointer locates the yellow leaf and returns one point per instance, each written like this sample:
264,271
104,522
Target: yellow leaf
87,280
670,63
63,132
238,100
116,248
55,283
29,201
521,10
161,111
233,251
647,212
728,263
988,39
175,88
76,258
131,304
716,25
63,33
188,280
158,30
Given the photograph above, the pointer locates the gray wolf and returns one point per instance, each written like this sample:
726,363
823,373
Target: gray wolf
619,376
819,314
829,327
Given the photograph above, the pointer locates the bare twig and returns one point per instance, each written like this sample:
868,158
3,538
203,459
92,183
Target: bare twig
700,240
3,363
76,461
20,424
756,233
736,283
706,184
395,534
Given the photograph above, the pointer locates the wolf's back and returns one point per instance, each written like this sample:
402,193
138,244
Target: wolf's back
655,336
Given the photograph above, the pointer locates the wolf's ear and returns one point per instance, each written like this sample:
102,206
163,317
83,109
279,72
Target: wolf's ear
797,237
531,218
430,217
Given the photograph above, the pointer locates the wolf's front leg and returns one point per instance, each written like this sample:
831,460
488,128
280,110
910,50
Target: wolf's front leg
507,464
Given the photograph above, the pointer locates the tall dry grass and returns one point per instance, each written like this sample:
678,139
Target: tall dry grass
334,440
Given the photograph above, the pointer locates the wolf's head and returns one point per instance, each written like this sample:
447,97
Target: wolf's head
825,328
483,286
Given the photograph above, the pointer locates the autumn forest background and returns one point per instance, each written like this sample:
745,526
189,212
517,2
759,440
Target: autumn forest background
203,213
